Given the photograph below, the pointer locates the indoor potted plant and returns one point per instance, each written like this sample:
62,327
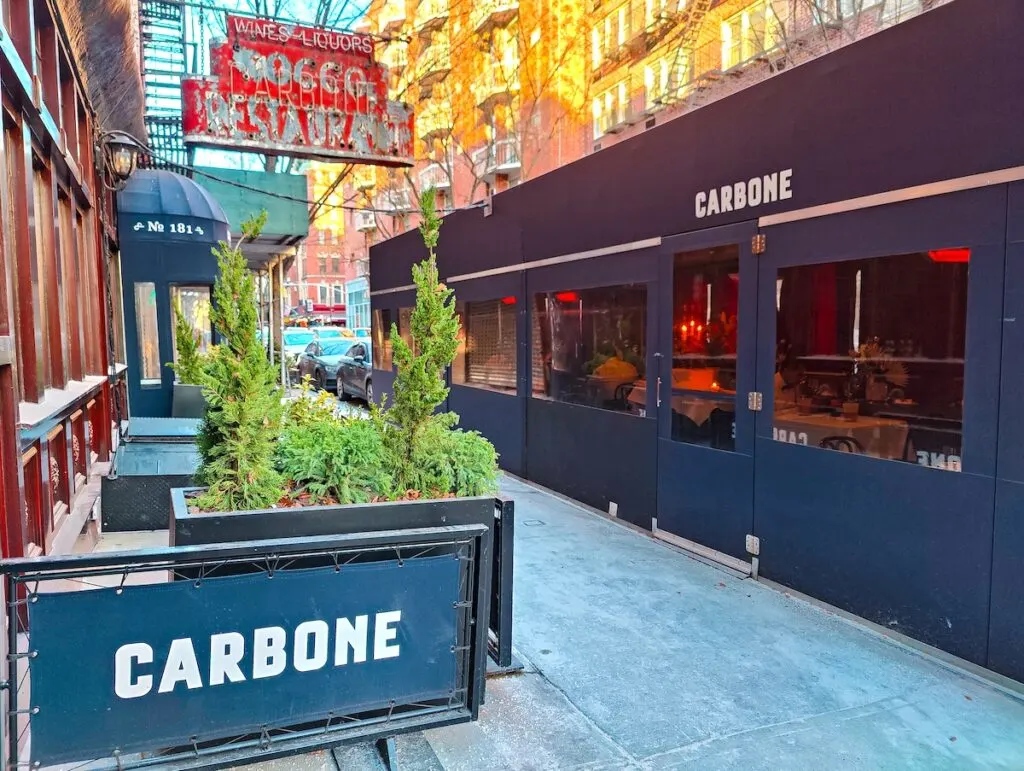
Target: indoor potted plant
274,469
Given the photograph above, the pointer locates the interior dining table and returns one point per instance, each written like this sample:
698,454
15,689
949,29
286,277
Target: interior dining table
875,436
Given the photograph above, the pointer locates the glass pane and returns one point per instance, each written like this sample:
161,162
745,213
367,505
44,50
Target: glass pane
870,356
381,338
146,329
405,325
194,302
705,313
590,346
487,345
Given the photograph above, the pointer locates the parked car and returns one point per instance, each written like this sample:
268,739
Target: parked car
354,370
329,333
320,361
295,342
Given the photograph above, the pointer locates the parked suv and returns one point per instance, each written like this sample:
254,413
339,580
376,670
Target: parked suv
354,372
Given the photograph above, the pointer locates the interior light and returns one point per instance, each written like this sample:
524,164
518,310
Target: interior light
508,300
566,297
950,255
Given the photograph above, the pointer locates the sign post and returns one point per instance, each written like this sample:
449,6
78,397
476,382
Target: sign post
301,91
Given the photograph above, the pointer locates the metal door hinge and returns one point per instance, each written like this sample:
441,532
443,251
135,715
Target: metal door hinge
755,401
757,244
753,545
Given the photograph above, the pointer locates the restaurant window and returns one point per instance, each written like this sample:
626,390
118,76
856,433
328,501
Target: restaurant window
72,298
705,314
146,330
870,356
381,331
590,345
405,325
194,304
486,357
115,299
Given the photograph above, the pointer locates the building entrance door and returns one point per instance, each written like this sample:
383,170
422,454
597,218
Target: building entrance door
705,362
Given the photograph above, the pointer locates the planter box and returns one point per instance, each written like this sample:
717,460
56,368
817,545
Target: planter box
188,401
227,527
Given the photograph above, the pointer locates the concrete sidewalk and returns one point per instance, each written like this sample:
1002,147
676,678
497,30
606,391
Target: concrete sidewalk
640,657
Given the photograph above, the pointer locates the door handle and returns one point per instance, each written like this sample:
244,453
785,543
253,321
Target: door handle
657,393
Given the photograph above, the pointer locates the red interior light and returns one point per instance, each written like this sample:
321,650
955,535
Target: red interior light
566,297
508,300
950,255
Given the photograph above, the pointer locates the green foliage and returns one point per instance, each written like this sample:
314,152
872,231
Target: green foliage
189,367
449,460
310,406
237,437
419,384
335,460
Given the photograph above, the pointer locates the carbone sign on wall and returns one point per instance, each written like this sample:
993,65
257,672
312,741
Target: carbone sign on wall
299,91
170,664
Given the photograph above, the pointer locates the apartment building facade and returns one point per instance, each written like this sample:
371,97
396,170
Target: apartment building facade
327,260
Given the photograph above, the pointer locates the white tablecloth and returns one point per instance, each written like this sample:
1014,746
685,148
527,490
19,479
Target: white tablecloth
880,437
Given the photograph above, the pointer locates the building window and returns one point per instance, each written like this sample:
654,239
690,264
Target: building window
322,293
339,294
335,264
749,33
705,309
486,357
590,346
194,303
116,302
870,356
146,331
381,335
322,262
611,109
321,237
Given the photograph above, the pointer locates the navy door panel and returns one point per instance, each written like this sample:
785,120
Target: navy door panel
499,417
706,494
906,546
1006,630
594,456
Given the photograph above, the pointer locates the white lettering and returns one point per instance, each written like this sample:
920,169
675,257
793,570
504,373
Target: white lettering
785,190
125,657
754,192
226,651
181,666
767,188
268,655
713,202
726,196
701,202
739,195
348,636
383,634
318,630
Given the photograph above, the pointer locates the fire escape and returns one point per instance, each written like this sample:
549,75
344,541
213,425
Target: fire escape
165,50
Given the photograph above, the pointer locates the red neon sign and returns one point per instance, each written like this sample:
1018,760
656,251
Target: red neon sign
566,297
299,91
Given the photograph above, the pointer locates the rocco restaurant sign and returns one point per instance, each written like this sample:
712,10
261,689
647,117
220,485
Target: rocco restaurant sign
293,90
185,662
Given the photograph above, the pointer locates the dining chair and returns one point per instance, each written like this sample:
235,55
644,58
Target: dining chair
841,443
